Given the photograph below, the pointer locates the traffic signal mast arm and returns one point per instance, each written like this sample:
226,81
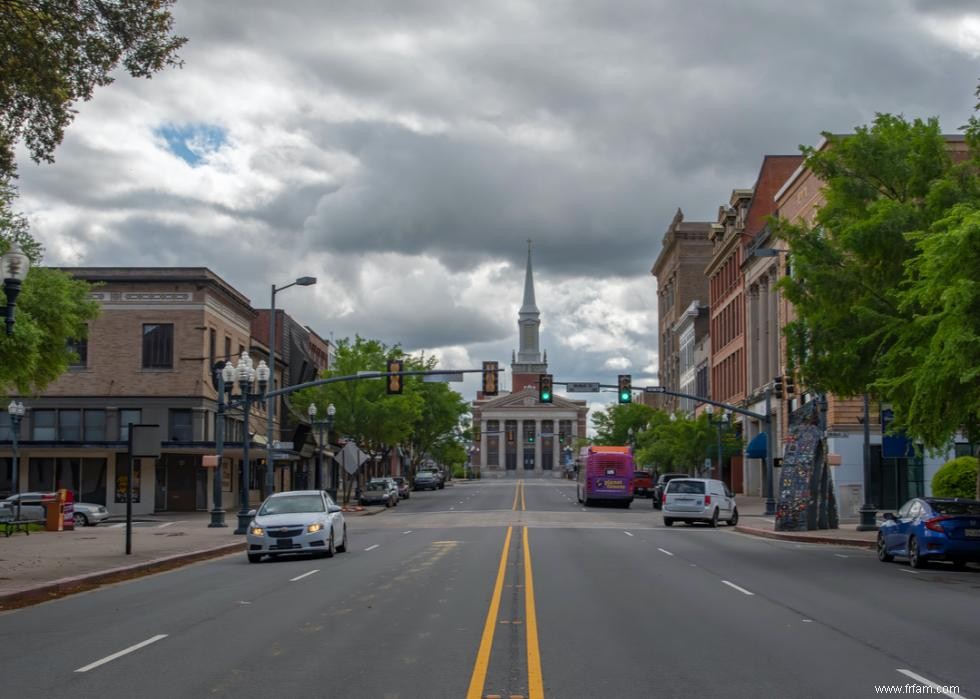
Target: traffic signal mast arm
285,390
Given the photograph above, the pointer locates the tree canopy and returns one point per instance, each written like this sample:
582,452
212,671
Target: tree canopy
56,52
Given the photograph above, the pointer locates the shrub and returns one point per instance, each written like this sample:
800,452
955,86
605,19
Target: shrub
956,478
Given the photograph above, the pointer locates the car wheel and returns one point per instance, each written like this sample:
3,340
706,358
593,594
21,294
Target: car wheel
254,557
713,522
342,548
668,522
916,560
734,520
330,547
882,548
387,503
80,520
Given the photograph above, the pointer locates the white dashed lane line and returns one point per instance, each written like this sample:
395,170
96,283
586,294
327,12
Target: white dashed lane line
300,577
736,587
371,548
408,532
665,551
125,651
627,533
948,691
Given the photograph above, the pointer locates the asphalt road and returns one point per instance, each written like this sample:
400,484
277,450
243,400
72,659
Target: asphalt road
511,589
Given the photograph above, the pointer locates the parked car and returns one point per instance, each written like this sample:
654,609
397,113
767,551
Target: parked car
661,484
426,480
86,513
928,529
699,500
404,492
296,521
378,492
440,477
642,484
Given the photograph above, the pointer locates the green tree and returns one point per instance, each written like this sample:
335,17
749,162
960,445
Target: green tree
884,283
613,424
51,309
437,423
56,52
677,443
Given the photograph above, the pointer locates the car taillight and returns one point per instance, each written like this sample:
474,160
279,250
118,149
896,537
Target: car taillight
663,499
935,524
707,499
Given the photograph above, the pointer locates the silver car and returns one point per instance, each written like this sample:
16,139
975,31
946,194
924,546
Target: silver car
86,513
297,521
699,500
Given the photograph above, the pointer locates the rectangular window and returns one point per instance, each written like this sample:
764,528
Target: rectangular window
79,348
493,450
40,475
70,425
95,425
93,481
127,416
181,426
44,425
227,349
5,432
158,346
6,477
212,348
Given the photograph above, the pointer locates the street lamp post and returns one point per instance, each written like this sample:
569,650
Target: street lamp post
16,412
247,376
770,500
334,474
225,374
719,423
14,265
318,476
270,407
868,510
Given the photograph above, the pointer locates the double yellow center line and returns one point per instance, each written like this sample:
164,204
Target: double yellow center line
534,677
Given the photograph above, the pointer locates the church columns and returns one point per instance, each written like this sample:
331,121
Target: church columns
483,445
537,445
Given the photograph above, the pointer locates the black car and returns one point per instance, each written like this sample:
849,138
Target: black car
426,480
661,484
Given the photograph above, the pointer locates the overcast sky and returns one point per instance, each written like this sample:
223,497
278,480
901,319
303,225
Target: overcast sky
403,152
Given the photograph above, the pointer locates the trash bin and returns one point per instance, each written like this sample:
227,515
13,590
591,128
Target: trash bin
67,509
54,519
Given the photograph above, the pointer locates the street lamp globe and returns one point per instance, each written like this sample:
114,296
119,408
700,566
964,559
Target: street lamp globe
15,264
16,408
331,410
311,411
262,373
228,374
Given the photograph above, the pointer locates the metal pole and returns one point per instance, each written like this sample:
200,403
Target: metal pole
334,470
243,516
319,458
770,501
270,406
720,469
14,433
217,511
867,510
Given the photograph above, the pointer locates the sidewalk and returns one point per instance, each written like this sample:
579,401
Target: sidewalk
45,565
753,520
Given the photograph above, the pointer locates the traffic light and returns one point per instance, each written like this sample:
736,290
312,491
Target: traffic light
489,378
777,388
561,437
530,438
625,388
510,436
395,382
790,386
544,388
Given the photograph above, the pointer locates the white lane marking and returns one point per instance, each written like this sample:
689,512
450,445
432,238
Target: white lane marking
584,510
300,577
408,532
166,524
451,509
126,651
807,621
906,570
740,589
117,526
371,548
665,551
840,555
930,683
627,533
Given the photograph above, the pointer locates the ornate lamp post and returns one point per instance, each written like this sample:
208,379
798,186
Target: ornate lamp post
248,378
14,266
269,485
334,473
719,423
318,476
225,375
16,412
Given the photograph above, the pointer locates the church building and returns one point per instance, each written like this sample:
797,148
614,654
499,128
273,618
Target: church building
515,434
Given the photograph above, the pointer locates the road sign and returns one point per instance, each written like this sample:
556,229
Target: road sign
443,378
654,389
582,387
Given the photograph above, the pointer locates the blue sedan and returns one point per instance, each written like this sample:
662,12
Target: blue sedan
927,529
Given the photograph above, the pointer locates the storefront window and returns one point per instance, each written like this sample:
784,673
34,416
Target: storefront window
40,475
6,477
93,481
127,416
95,425
70,425
44,425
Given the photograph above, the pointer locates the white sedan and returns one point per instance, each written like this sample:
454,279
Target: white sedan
297,521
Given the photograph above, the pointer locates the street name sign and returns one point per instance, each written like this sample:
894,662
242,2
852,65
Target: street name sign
582,387
654,389
443,378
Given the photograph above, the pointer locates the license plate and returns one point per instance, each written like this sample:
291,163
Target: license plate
284,543
972,533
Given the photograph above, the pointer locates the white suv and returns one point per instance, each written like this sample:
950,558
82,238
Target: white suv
699,500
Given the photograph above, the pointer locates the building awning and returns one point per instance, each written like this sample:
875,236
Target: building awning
757,447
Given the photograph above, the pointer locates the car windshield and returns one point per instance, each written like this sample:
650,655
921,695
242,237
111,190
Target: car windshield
375,485
292,504
971,509
690,487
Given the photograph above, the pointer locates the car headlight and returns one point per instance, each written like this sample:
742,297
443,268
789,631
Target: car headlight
314,528
257,531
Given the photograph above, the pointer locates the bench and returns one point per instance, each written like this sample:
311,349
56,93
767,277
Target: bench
12,525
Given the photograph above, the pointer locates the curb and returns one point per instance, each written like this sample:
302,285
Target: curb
790,536
82,583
